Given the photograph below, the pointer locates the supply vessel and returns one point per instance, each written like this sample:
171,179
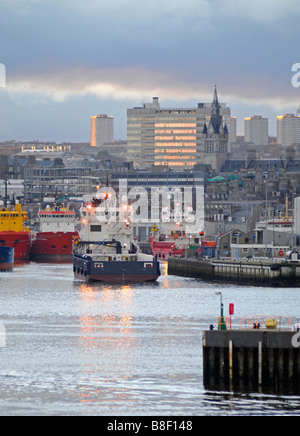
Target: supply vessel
13,231
53,243
6,258
106,251
175,239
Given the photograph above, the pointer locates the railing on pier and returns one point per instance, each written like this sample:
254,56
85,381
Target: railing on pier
258,322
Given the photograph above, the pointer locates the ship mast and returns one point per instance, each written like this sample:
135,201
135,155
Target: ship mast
287,216
6,193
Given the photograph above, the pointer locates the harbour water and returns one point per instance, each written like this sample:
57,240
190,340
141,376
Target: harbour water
111,350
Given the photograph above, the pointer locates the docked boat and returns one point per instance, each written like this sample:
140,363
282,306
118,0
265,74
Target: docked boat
173,240
6,258
106,251
54,241
14,233
165,249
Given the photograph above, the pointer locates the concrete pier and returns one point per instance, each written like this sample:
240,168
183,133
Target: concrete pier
240,272
252,359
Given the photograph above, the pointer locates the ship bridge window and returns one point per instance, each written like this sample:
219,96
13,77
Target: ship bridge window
96,228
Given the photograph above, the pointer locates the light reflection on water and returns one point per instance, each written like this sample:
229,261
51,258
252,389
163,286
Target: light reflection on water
90,349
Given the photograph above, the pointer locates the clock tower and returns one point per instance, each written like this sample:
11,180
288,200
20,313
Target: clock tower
213,142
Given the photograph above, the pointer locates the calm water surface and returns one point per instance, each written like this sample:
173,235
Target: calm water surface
79,349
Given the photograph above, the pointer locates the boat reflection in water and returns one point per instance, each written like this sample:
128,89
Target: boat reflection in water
111,332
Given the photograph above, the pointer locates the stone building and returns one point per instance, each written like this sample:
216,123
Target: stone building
212,148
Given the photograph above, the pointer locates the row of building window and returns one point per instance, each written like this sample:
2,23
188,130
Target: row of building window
174,164
185,125
212,149
175,138
176,157
176,150
177,144
177,131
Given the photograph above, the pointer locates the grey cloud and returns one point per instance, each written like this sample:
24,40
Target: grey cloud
133,83
129,51
39,35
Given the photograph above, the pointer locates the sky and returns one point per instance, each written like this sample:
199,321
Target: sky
68,60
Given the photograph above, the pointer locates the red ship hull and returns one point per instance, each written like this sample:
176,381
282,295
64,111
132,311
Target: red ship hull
53,247
20,241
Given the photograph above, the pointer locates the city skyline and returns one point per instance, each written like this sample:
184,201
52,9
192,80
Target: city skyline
106,58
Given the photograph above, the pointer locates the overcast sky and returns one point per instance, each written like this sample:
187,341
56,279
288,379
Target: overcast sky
67,60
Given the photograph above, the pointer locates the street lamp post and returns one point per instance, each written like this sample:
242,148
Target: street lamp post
266,231
293,215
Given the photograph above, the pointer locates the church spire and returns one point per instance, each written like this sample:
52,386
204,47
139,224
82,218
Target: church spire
216,118
215,105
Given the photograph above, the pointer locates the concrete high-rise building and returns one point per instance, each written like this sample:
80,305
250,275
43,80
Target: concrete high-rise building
167,136
288,130
257,130
232,127
102,130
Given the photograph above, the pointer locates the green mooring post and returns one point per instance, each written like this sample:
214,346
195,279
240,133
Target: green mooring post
221,320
